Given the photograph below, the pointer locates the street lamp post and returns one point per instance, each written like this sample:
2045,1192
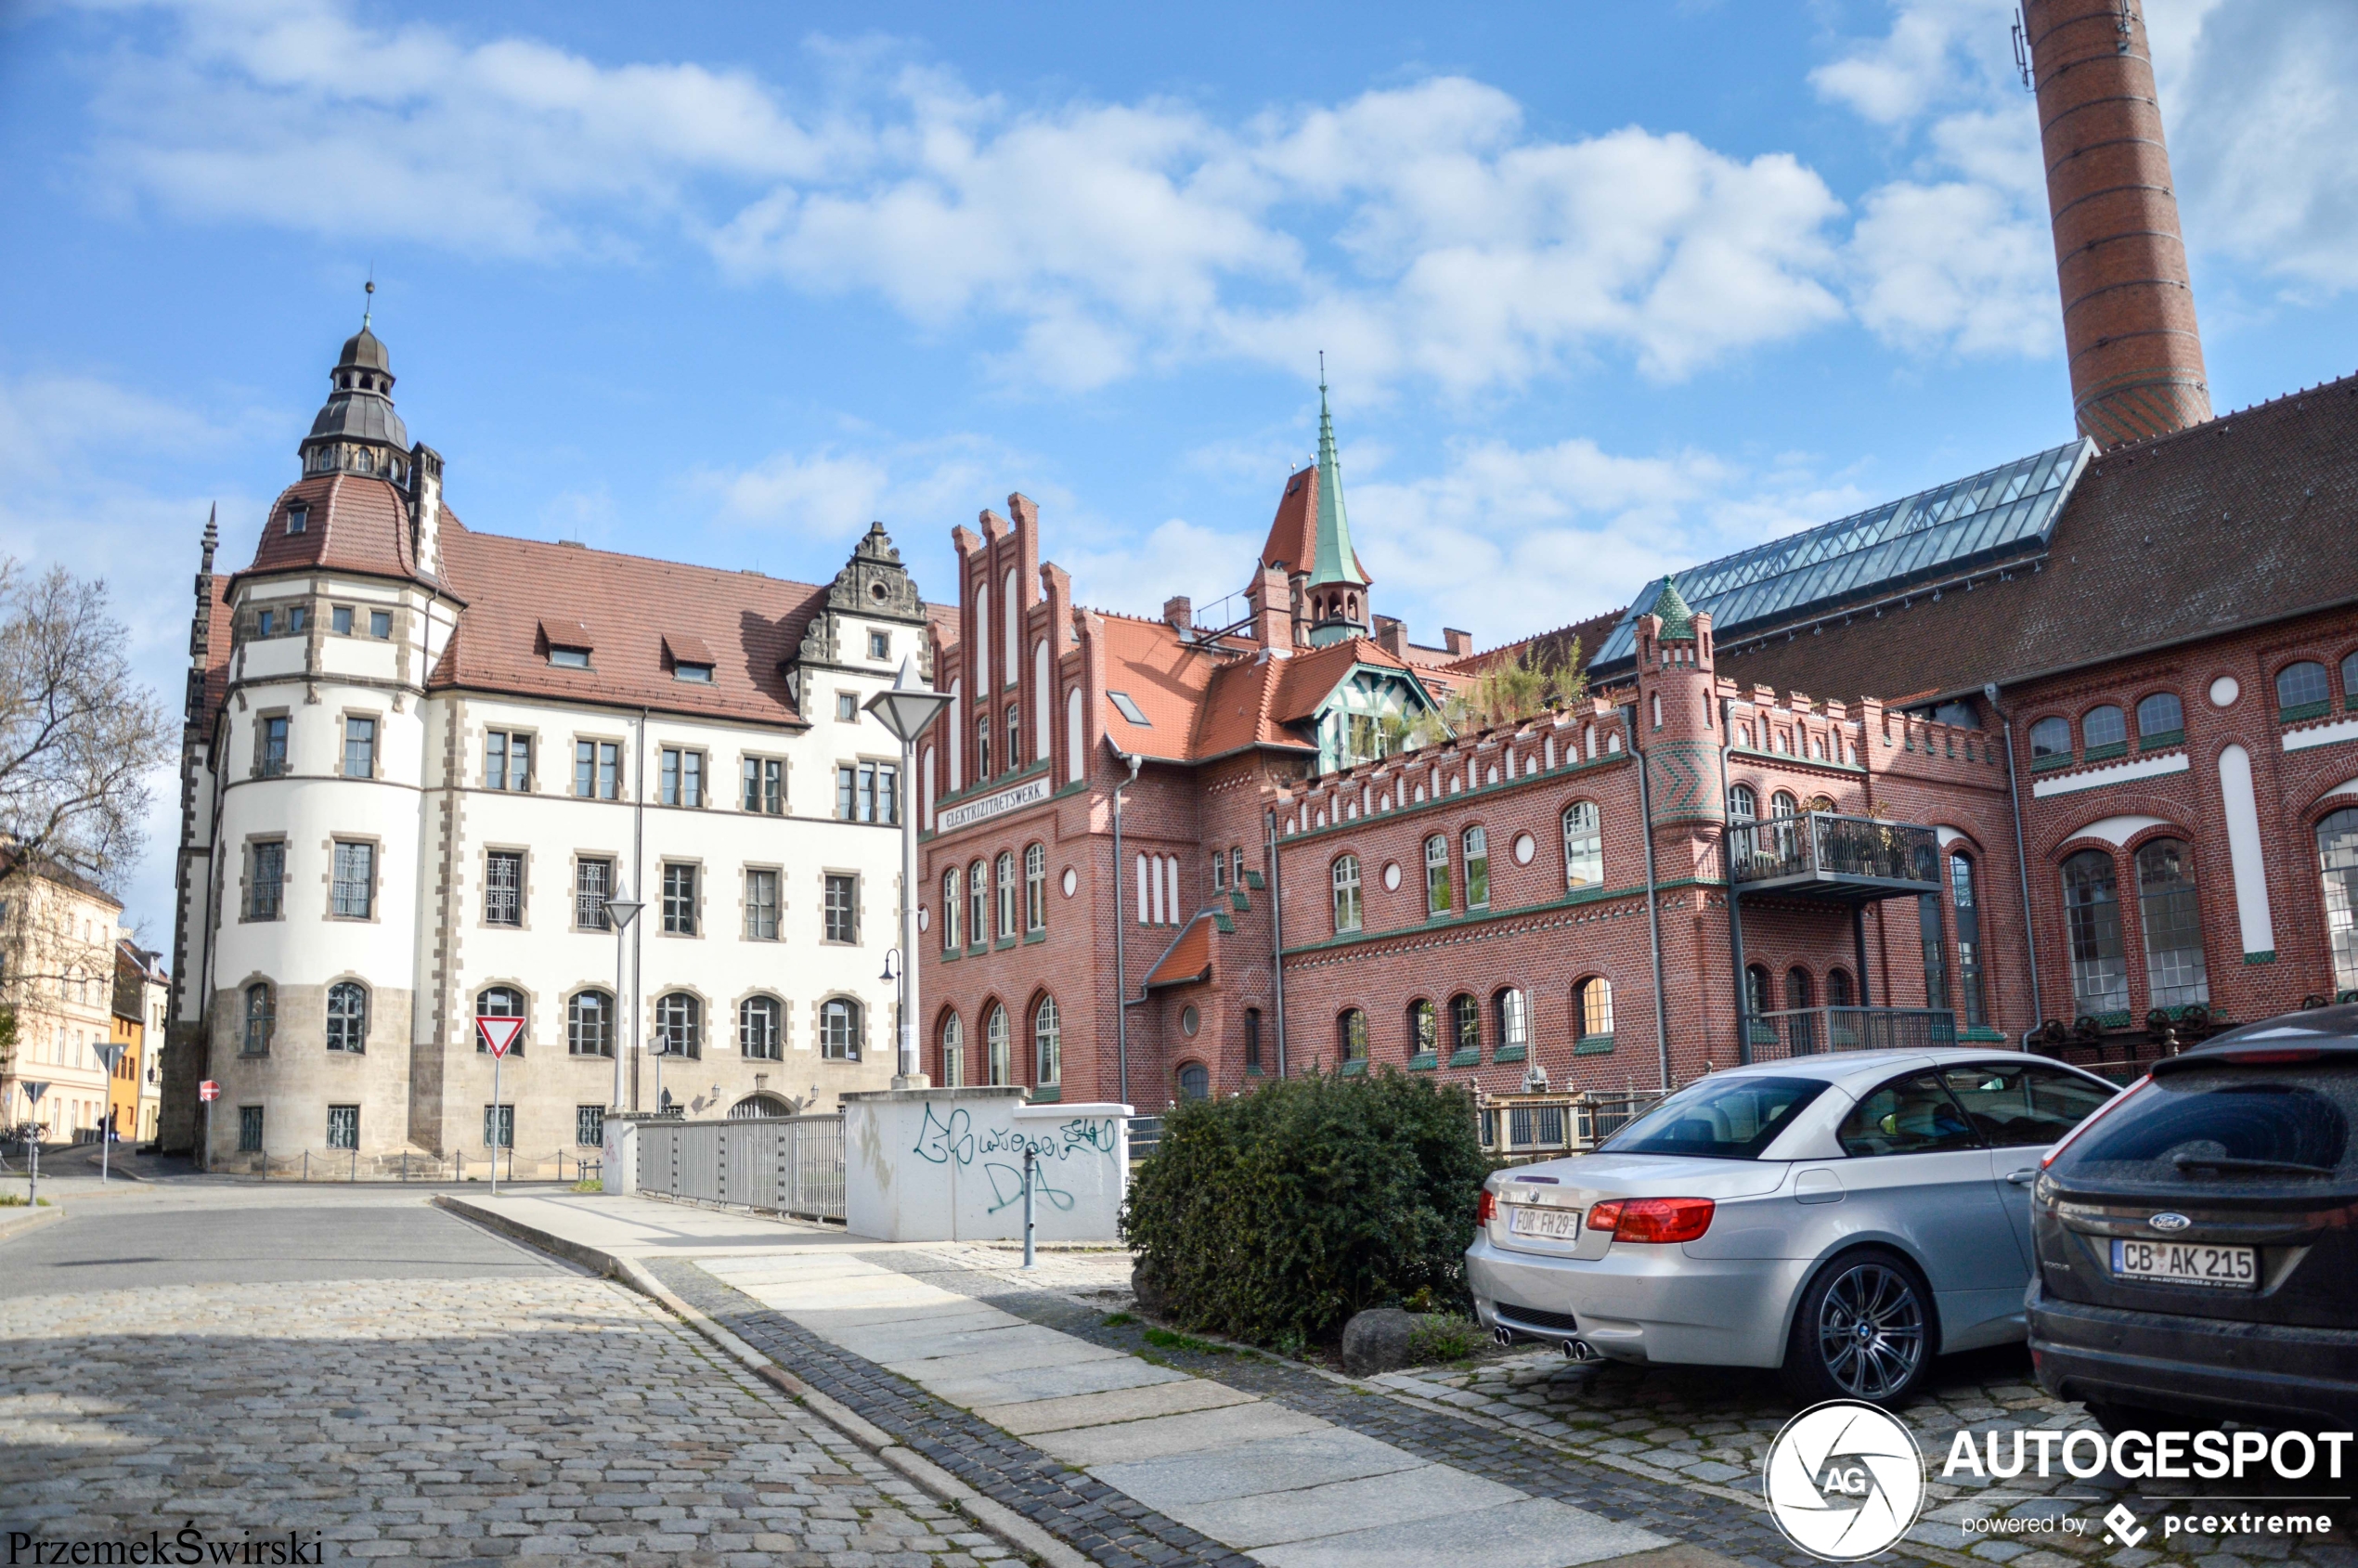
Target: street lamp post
621,910
905,709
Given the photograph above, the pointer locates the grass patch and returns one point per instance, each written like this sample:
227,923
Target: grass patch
17,1200
1443,1339
1118,1320
589,1183
1165,1338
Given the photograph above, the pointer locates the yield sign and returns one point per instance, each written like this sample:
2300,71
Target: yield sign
209,1090
499,1033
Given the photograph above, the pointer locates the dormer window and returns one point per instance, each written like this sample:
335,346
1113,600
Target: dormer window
699,673
569,658
298,519
361,459
691,659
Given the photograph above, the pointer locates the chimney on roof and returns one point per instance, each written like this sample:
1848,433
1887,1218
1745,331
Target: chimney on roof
1272,600
1392,636
1179,611
2127,301
426,508
1460,643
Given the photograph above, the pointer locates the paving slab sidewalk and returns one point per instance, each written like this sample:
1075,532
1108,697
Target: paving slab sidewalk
1289,1489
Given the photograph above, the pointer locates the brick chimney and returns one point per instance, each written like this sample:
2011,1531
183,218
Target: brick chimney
1272,600
1179,611
2127,303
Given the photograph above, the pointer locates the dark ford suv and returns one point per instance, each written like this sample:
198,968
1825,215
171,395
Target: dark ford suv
2197,1240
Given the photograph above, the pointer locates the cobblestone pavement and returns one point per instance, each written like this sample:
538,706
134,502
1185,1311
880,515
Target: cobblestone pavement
460,1420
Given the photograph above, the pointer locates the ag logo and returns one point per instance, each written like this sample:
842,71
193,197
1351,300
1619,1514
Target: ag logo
1843,1480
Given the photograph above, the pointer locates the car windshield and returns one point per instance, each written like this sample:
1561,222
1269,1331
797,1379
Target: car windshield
1718,1119
2230,1126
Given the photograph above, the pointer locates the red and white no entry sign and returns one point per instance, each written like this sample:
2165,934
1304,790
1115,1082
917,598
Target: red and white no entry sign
499,1034
209,1090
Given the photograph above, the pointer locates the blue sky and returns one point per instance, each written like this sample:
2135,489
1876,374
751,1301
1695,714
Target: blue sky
1603,289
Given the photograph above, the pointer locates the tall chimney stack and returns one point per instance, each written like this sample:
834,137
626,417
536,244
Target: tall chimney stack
2129,307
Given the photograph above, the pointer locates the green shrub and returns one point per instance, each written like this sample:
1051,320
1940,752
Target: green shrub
1445,1338
1281,1212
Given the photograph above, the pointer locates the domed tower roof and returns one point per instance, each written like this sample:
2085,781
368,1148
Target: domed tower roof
366,350
357,428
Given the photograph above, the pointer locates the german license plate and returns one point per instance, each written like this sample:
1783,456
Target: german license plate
1555,1225
2186,1263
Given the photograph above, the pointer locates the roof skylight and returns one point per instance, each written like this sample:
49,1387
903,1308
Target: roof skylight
1128,709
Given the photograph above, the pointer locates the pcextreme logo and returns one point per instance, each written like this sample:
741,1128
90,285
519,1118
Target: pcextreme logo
1843,1480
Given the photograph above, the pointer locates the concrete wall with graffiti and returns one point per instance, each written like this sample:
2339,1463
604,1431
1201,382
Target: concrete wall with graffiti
948,1165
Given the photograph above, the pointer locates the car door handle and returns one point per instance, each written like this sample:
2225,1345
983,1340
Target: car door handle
2024,1176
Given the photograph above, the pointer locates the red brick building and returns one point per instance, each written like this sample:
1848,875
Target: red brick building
2068,745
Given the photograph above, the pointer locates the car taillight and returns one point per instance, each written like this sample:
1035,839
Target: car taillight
1486,1208
1653,1219
2271,1057
2093,1116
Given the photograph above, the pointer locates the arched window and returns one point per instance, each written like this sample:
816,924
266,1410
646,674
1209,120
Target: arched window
262,1019
1838,988
2175,973
757,1031
2350,681
953,896
2338,862
1252,1040
1424,1029
1014,737
1513,1015
1437,875
2302,689
1755,988
1465,1026
348,1016
590,1024
1218,871
1195,1082
1035,887
1783,804
2092,921
1348,909
679,1025
978,903
982,743
1592,1009
1047,1045
1477,869
2050,738
1351,1031
953,1051
501,1002
1970,987
1074,751
1584,846
1006,894
839,1029
2102,730
1743,805
2160,720
995,1046
1797,988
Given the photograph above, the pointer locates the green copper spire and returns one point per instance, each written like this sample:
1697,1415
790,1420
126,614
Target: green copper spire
1677,620
1336,562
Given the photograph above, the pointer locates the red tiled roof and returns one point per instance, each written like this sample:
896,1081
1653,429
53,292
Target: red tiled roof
1147,662
1293,533
744,624
1189,957
353,523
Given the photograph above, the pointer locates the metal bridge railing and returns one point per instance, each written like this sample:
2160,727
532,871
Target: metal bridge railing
784,1165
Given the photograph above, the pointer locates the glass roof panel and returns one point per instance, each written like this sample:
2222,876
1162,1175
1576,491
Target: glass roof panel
2010,510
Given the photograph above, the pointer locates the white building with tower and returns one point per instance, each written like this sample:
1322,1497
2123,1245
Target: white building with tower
417,761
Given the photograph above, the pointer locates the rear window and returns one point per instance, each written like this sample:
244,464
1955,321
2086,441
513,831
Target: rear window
1718,1119
2163,1134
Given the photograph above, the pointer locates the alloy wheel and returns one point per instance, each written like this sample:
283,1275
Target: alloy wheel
1870,1330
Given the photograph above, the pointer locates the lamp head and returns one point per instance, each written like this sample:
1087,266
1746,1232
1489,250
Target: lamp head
906,707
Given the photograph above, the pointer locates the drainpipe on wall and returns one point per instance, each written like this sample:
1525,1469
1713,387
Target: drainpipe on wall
1735,910
2022,860
638,875
1653,907
1121,978
1277,942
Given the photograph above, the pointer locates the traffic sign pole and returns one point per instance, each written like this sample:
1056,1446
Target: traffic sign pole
32,1092
207,1092
499,1035
496,1128
111,1055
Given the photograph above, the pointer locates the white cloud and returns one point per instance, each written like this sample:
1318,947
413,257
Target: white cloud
1953,265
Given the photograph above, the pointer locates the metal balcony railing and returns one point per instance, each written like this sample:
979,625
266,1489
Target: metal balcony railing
1807,1031
1846,856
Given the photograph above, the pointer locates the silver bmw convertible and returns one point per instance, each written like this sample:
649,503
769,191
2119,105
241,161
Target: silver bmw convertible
1843,1218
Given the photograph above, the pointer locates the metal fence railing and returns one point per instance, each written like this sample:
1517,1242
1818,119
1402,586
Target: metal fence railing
783,1164
405,1165
1829,844
1540,1126
1806,1031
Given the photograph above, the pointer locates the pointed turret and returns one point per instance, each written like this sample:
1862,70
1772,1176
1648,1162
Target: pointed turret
1678,621
1338,588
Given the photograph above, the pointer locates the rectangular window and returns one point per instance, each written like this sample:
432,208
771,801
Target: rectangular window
354,892
843,908
1128,709
265,883
765,783
249,1129
879,644
1970,991
1252,1040
339,622
503,887
1477,869
761,906
592,885
699,673
569,658
265,622
1935,949
381,623
298,617
682,777
597,769
868,792
273,741
589,1126
848,707
500,1126
507,761
359,748
679,899
343,1126
299,517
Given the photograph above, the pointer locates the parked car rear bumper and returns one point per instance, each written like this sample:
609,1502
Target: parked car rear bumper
1645,1303
2261,1373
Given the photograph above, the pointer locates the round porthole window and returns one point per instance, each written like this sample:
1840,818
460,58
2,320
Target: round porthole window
1391,876
1525,847
1189,1021
2224,691
1072,880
